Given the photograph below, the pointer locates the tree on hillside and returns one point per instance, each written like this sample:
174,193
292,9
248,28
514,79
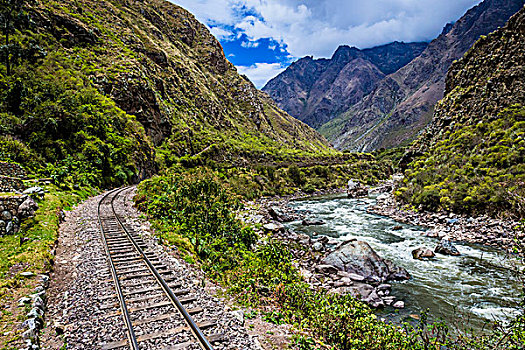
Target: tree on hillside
10,11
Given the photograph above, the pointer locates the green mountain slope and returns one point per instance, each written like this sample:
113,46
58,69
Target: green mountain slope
472,156
122,87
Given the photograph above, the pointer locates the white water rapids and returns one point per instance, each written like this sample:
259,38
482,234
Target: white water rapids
479,286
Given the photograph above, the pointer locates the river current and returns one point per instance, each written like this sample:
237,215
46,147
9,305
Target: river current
468,290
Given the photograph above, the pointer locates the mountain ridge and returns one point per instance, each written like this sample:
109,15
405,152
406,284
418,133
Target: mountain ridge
315,91
470,158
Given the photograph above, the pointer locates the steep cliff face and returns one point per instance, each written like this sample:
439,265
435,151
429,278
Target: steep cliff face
316,91
156,65
473,152
403,102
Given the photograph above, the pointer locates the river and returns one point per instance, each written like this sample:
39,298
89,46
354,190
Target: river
470,289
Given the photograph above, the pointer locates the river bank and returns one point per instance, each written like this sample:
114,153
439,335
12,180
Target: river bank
324,262
484,230
314,227
499,233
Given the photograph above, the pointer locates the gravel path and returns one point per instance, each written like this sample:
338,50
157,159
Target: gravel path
81,285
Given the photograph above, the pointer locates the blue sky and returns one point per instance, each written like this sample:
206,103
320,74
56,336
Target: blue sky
262,37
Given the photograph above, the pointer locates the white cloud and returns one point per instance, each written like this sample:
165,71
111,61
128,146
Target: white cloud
250,44
221,34
209,11
318,27
260,73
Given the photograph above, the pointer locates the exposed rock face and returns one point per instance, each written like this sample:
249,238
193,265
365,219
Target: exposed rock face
486,81
316,91
391,57
359,258
403,102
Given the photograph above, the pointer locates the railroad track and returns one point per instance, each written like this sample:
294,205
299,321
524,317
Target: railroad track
157,311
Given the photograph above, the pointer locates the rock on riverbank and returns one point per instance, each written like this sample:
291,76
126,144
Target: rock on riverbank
480,230
344,267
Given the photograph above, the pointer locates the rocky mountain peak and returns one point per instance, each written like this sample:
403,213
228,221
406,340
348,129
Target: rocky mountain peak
317,90
345,53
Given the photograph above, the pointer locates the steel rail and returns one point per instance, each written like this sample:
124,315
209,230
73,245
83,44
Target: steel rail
131,333
173,298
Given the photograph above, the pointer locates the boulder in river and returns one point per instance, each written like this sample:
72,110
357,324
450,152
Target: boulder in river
279,214
317,246
357,257
446,247
421,253
308,222
326,269
356,189
399,304
273,227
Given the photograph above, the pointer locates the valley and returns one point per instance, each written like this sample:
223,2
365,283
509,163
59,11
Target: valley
152,197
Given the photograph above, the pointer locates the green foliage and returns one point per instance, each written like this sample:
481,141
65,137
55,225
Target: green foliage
11,13
300,342
68,79
16,151
475,168
57,124
262,180
199,210
259,274
195,206
295,175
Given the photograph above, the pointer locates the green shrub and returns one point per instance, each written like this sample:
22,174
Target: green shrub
295,174
196,212
199,209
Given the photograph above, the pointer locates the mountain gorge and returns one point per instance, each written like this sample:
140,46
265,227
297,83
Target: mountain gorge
151,197
402,104
315,91
128,86
385,108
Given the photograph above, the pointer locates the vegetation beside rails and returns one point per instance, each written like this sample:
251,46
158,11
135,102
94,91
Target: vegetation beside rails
35,254
196,212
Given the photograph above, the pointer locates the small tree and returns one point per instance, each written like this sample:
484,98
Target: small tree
10,10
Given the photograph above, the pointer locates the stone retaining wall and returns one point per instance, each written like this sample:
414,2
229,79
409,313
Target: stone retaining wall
9,221
10,184
12,170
